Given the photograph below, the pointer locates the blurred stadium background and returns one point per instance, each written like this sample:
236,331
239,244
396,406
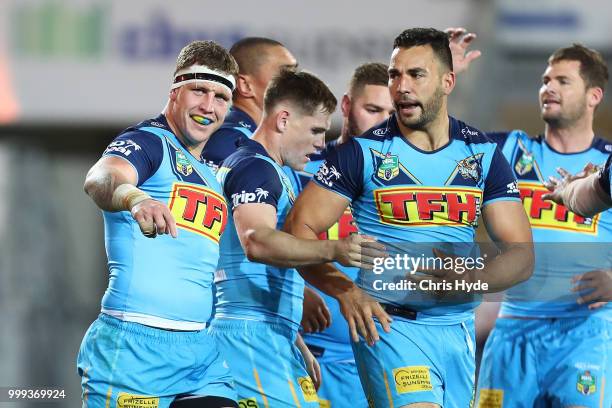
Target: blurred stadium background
75,72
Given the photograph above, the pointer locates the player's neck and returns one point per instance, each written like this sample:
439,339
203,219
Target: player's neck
250,107
270,142
432,137
344,133
570,139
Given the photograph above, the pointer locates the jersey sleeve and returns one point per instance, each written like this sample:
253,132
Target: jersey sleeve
604,177
221,144
142,149
342,171
253,181
500,183
499,138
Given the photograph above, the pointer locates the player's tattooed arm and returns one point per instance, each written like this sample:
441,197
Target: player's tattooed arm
357,307
111,184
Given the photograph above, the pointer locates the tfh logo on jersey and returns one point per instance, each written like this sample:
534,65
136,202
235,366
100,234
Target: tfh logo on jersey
125,147
327,175
547,214
198,209
342,229
428,206
244,198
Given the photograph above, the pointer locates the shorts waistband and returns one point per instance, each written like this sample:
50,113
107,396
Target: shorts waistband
253,326
158,334
541,327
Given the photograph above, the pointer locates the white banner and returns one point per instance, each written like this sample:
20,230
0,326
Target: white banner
112,60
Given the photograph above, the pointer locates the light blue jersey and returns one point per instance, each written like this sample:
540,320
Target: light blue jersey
403,195
259,307
554,352
149,346
245,289
566,244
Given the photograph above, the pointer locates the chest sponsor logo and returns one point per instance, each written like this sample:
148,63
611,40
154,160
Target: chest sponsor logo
183,165
125,147
412,379
342,229
549,215
428,206
199,209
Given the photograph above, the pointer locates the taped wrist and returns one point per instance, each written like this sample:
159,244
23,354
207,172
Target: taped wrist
126,196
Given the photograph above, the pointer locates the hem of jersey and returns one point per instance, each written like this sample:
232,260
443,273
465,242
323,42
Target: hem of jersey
493,200
130,163
154,321
329,189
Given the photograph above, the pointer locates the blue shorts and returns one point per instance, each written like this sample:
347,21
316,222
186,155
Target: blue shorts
125,364
419,363
547,363
340,386
268,368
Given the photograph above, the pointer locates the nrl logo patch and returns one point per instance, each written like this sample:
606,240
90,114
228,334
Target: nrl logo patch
183,165
524,164
388,168
586,383
470,168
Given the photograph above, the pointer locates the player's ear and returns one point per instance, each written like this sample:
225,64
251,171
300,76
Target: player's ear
448,82
282,120
345,105
594,96
244,87
173,94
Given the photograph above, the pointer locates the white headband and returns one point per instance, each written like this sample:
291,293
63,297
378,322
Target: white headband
196,73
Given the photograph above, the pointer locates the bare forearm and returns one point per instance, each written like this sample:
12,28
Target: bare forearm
586,197
273,247
514,265
100,186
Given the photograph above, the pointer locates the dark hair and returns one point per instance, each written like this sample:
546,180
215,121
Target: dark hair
371,73
207,53
593,68
250,52
438,40
302,89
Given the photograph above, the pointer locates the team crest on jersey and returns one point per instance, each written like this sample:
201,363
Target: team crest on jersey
524,164
198,209
183,165
389,167
586,383
547,214
470,168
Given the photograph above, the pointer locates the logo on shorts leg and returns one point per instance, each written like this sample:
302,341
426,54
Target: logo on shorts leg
125,400
491,398
412,379
248,403
586,383
308,389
